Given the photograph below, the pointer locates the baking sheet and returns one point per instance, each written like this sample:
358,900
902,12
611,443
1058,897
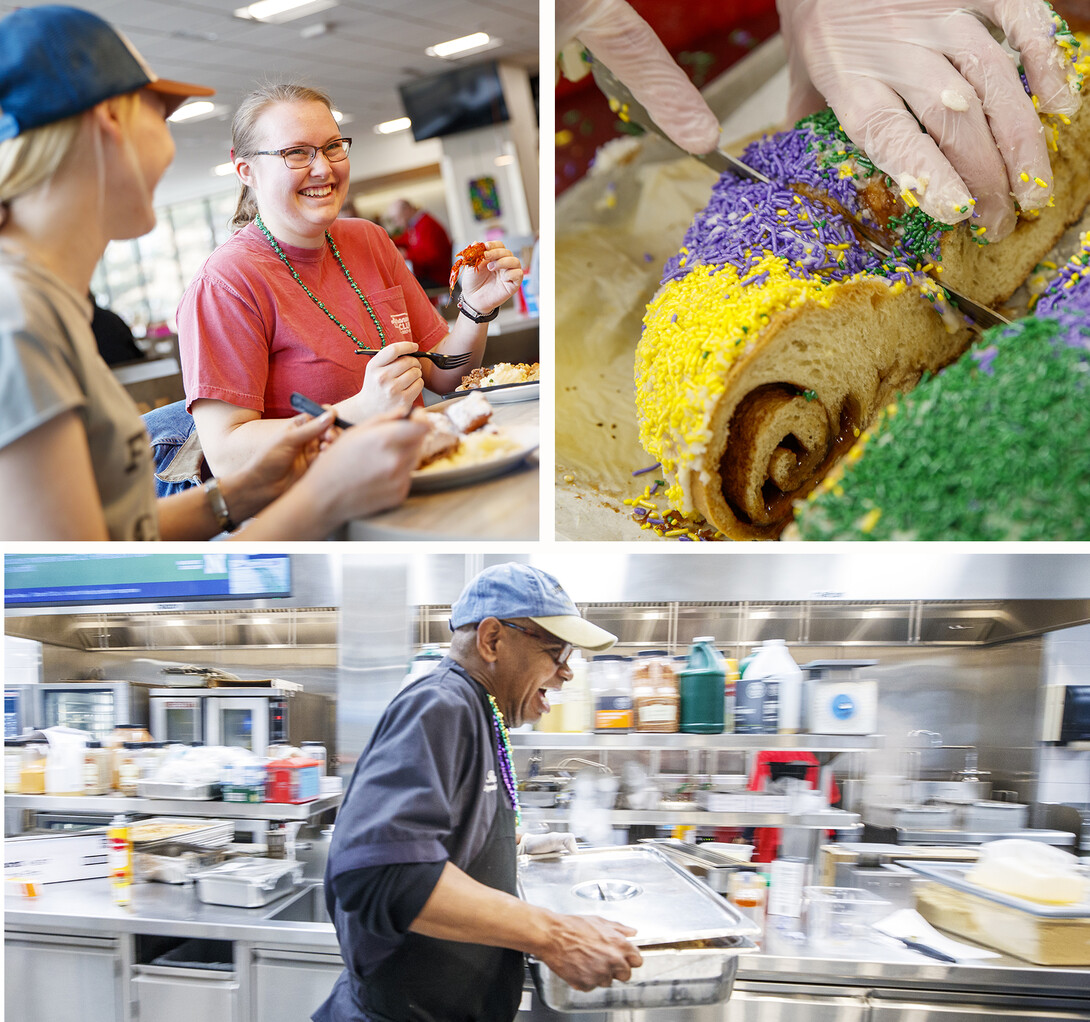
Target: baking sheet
953,874
615,230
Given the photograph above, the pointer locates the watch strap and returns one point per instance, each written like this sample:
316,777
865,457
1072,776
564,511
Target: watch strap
219,505
469,312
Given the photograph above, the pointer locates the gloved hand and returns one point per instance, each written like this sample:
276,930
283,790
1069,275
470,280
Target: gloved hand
544,844
628,46
872,60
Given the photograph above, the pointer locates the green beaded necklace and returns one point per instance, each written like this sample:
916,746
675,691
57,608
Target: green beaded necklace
360,346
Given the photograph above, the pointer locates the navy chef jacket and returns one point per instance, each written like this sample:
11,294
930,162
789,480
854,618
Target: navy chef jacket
424,792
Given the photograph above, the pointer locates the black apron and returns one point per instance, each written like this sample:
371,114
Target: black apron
430,980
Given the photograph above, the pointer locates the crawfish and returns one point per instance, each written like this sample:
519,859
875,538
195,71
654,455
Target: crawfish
472,256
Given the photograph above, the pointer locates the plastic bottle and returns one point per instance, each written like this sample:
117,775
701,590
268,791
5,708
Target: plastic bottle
576,707
127,763
774,665
756,697
612,686
317,751
119,841
13,765
32,772
655,696
96,769
748,892
702,686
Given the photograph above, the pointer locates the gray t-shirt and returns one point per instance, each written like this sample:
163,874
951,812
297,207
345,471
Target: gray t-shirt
49,364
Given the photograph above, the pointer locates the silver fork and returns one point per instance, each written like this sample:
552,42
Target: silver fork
442,361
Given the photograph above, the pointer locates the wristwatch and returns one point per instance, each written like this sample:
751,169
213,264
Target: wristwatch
219,505
469,312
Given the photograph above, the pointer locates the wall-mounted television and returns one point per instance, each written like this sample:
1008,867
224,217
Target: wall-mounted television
48,580
458,100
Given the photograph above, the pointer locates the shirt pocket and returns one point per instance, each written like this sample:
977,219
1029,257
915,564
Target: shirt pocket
393,313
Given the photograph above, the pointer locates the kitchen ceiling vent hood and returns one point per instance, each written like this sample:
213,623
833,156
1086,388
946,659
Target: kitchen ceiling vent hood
269,628
822,623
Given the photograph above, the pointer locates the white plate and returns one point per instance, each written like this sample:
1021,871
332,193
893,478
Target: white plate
425,481
508,394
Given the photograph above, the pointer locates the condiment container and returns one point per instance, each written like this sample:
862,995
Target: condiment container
96,769
292,781
127,767
13,764
32,771
749,892
245,782
656,701
703,688
770,695
612,688
316,751
841,915
756,698
576,709
119,856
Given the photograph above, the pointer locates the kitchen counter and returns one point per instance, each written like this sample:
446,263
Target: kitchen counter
86,907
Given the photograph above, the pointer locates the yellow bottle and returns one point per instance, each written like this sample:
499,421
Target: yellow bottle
119,841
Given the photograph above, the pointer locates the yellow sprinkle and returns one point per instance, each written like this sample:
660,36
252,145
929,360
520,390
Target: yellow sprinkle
1024,176
672,533
564,137
649,504
628,500
1040,182
569,479
870,520
909,199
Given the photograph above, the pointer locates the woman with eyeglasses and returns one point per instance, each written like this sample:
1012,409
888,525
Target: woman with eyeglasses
83,143
291,300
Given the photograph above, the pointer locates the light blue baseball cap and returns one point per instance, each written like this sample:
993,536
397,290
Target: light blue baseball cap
518,590
57,61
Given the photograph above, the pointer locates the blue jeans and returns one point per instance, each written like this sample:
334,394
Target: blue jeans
175,449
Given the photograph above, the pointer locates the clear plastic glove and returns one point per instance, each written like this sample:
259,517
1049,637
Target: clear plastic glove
628,46
937,58
545,844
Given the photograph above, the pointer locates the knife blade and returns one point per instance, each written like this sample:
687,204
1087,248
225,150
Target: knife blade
630,110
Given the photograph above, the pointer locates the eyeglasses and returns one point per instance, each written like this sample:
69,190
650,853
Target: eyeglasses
558,657
299,156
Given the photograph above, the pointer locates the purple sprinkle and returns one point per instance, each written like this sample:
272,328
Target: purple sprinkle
644,471
985,359
648,258
640,512
656,521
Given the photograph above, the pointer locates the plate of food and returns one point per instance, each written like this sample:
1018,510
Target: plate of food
462,446
504,382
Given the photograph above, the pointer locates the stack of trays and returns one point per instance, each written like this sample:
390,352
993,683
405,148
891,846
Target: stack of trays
202,833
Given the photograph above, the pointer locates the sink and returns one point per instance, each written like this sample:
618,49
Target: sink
306,907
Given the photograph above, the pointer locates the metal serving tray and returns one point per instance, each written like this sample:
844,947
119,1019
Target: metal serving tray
666,905
952,874
248,883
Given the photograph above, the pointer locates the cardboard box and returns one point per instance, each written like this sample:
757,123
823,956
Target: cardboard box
56,859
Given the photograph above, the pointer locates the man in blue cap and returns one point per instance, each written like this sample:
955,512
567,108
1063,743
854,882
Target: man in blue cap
420,881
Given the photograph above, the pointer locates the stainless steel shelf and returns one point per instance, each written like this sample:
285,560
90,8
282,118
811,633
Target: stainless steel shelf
173,806
833,819
636,741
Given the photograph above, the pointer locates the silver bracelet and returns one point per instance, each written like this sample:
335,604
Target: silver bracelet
219,505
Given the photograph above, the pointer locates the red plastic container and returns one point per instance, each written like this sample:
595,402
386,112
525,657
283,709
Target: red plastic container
293,780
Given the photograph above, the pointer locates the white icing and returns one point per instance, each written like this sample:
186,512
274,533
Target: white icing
954,100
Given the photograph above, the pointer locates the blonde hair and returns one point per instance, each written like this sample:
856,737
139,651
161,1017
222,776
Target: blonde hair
244,141
33,157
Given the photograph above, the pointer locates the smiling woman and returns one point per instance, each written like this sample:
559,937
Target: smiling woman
293,300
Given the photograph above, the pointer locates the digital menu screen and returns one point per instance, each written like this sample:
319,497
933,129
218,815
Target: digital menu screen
45,580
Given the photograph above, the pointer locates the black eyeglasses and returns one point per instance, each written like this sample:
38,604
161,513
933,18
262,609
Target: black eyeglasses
299,156
559,657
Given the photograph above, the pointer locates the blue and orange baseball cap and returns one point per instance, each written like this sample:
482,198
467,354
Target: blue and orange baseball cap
58,61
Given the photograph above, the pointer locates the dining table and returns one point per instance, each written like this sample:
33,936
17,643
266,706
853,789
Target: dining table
500,506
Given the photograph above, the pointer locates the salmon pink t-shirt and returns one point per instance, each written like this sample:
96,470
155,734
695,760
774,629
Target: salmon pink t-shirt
249,335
